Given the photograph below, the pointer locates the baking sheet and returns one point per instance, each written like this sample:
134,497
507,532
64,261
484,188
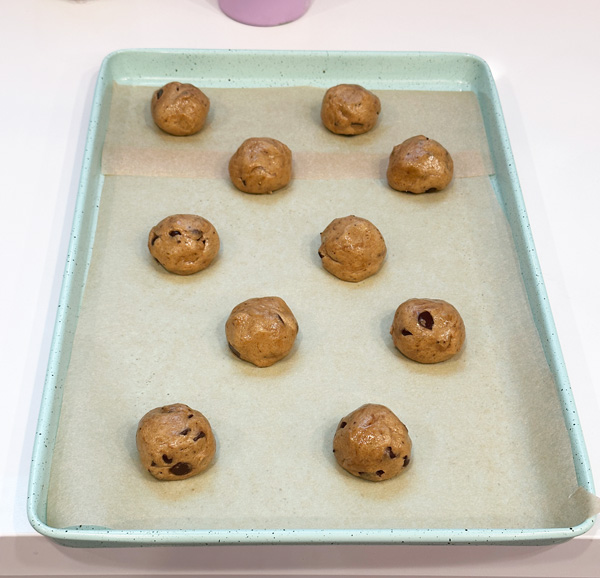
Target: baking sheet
490,446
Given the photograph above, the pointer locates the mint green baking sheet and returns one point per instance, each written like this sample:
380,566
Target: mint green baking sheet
123,324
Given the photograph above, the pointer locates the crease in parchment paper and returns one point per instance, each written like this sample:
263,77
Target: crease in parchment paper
491,449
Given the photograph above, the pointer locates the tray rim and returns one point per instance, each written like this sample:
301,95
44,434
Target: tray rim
52,392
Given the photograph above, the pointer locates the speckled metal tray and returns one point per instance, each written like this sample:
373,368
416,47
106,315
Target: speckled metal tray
398,71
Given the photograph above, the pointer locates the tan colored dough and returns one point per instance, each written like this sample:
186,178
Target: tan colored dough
179,109
419,165
175,442
349,109
352,248
261,330
261,165
184,244
372,443
428,330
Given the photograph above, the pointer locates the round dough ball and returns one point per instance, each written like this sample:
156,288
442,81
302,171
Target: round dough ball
175,442
184,244
419,165
261,330
179,109
261,165
428,330
372,443
349,109
352,248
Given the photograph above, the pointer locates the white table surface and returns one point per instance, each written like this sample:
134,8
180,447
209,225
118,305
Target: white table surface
545,57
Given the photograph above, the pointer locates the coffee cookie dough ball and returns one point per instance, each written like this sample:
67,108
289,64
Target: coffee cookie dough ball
428,330
179,109
184,244
261,165
175,442
372,443
261,330
352,248
419,165
349,109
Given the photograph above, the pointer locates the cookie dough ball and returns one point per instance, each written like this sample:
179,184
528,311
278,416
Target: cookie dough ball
419,165
175,442
352,248
349,109
184,244
428,330
261,330
261,165
372,443
179,109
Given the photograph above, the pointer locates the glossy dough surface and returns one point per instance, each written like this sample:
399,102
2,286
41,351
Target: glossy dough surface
175,442
428,330
419,165
352,248
372,443
261,165
184,244
349,109
179,109
261,330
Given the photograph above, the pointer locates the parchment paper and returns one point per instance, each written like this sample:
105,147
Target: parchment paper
490,445
135,146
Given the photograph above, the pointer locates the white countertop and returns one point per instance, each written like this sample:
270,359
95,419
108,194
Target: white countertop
544,56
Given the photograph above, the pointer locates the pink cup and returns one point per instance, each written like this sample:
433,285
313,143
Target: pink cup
264,12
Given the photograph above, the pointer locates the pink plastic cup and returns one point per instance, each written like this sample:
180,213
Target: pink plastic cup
264,12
